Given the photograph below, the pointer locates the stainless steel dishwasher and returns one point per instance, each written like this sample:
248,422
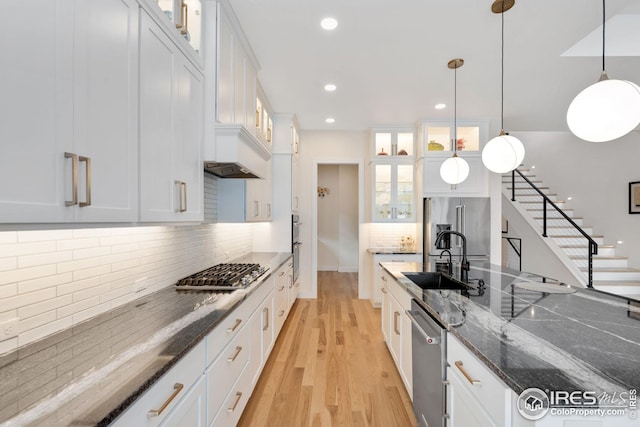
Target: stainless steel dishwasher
428,343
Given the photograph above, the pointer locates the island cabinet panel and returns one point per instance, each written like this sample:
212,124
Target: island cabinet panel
396,328
177,390
191,410
69,103
473,385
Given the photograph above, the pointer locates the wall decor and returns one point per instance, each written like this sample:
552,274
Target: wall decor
323,191
634,197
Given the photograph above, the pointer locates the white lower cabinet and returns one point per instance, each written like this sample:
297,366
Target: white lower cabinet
191,410
476,396
375,292
179,390
396,328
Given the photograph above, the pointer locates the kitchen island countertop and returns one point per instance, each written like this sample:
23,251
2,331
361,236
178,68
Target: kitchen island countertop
531,336
90,373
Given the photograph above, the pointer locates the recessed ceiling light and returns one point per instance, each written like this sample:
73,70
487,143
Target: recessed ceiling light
330,87
440,106
330,120
329,24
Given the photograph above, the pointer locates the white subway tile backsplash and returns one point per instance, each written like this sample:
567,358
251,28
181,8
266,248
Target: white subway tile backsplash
383,235
53,279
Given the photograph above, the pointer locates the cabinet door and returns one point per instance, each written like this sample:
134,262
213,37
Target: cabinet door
106,108
158,190
191,410
225,62
394,195
406,359
37,110
188,140
462,407
395,334
386,311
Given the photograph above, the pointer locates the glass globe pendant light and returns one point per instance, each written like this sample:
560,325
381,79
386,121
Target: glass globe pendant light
455,169
503,153
606,110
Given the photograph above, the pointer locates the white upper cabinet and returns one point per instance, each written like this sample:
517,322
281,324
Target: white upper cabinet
183,19
170,129
436,146
393,174
71,88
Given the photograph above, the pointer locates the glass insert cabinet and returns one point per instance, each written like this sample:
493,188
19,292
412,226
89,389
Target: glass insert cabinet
186,15
393,171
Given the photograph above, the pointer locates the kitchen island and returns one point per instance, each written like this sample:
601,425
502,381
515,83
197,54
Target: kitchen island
533,332
92,373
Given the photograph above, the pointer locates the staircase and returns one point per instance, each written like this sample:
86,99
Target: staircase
611,273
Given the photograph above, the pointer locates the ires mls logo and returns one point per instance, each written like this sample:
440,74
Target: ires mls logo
534,403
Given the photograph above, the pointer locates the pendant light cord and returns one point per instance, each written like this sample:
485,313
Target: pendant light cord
603,24
455,110
502,73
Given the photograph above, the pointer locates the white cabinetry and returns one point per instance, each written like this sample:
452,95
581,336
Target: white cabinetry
170,129
71,88
396,328
436,147
178,395
476,396
283,277
245,200
375,292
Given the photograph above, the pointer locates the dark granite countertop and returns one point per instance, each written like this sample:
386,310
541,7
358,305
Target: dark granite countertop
585,340
89,374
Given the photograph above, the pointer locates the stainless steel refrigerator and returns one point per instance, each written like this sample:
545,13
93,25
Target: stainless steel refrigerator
467,215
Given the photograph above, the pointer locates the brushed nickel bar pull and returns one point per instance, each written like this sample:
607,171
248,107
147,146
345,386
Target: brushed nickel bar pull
235,326
395,322
180,23
281,313
184,186
182,195
256,208
445,413
281,288
74,179
268,209
384,291
465,373
87,190
235,355
177,387
233,408
184,13
266,318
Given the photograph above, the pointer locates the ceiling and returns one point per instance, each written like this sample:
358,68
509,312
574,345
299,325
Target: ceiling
389,59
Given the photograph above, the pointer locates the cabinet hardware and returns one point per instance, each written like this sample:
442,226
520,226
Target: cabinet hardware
177,388
384,279
268,210
298,285
235,355
384,291
266,318
395,322
445,412
256,208
235,326
87,190
233,408
281,288
281,274
183,25
281,313
182,195
74,179
465,373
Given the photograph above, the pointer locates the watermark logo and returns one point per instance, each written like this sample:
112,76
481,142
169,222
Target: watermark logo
533,404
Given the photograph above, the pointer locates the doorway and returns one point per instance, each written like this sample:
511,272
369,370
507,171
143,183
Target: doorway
338,220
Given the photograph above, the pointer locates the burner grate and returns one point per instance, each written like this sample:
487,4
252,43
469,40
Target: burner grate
226,276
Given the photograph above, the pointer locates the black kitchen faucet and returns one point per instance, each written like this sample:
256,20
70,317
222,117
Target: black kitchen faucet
464,265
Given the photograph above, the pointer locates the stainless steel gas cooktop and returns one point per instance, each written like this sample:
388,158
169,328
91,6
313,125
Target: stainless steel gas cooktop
222,277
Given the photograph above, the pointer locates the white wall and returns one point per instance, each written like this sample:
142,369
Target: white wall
327,147
596,176
54,279
348,218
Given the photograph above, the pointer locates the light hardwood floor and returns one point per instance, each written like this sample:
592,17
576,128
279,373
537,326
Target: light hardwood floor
330,366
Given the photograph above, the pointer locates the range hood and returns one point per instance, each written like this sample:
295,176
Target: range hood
237,153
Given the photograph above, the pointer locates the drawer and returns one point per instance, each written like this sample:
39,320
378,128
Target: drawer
167,392
235,402
226,369
397,290
228,329
491,393
280,315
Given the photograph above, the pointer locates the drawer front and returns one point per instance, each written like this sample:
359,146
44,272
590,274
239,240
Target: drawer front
235,402
226,331
226,369
492,394
398,292
166,393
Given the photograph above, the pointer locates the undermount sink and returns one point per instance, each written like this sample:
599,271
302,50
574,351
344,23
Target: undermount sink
435,280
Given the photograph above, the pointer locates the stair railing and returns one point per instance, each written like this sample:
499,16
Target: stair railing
517,249
592,246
